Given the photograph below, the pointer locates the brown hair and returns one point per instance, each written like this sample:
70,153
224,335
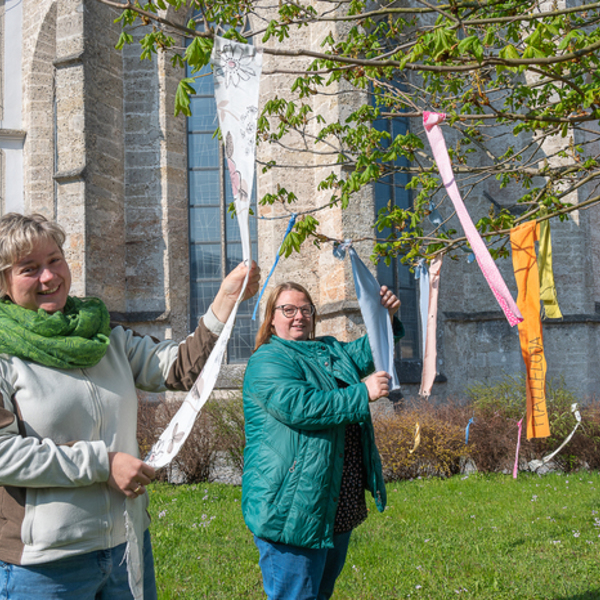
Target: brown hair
266,329
18,236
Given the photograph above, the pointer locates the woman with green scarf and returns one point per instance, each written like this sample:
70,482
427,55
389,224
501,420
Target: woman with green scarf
68,414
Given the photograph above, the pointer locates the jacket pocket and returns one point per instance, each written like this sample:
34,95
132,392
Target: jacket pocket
288,484
65,517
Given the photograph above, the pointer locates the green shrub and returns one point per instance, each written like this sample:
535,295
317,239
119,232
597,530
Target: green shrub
495,407
227,418
194,461
438,453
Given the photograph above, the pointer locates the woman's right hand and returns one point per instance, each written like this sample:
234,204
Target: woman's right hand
129,474
378,385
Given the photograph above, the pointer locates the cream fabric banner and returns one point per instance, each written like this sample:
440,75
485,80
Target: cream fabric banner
236,68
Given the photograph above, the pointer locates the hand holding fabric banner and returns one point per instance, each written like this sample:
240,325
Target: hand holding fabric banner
237,68
376,318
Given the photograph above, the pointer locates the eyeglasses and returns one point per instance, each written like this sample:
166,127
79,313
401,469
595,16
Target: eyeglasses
289,310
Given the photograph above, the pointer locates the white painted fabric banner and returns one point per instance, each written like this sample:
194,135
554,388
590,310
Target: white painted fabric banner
236,69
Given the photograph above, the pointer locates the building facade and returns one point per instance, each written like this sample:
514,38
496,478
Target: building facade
88,137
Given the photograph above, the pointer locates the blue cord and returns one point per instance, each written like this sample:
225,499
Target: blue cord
291,224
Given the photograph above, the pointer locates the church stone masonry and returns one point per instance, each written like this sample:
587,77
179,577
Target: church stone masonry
100,150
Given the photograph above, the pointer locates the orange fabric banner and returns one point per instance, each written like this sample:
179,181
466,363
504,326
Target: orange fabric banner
522,241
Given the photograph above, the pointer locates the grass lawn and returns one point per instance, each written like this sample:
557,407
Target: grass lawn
483,536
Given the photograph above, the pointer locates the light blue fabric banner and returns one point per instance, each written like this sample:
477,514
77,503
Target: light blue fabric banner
422,274
376,317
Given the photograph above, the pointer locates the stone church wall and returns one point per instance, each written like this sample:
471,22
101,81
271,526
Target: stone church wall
106,157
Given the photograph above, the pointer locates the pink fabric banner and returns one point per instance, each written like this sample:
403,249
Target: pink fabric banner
488,267
516,467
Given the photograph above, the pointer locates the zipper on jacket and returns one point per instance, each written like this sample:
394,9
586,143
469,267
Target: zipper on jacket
97,404
95,401
293,467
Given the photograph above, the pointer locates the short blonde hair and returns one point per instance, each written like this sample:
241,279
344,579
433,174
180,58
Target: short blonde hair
18,236
266,329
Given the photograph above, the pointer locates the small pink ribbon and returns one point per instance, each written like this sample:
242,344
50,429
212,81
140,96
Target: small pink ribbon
516,467
488,267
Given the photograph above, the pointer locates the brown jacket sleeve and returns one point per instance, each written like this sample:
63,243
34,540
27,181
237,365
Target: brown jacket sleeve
191,357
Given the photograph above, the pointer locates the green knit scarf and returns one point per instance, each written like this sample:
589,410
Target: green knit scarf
73,339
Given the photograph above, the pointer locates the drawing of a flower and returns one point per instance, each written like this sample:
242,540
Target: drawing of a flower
248,128
233,65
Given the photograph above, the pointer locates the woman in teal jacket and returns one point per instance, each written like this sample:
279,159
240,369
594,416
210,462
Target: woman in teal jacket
310,447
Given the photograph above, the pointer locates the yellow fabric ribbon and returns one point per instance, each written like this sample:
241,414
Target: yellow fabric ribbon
522,240
547,290
417,438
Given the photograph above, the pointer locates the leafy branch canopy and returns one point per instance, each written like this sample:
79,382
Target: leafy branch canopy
519,81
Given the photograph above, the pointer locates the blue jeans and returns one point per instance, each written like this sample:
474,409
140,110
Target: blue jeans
98,575
293,573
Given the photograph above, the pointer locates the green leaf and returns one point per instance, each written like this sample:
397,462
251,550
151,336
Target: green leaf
182,97
124,38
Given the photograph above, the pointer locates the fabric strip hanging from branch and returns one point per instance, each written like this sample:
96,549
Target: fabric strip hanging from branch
547,289
522,240
375,316
430,341
288,230
422,274
488,267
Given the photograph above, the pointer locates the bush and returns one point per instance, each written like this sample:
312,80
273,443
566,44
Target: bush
219,428
194,461
227,418
441,441
496,409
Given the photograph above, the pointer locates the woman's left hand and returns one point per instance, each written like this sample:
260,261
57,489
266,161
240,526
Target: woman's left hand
389,300
129,474
230,290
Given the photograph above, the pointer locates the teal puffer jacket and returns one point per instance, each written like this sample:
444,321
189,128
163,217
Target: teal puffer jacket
295,426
